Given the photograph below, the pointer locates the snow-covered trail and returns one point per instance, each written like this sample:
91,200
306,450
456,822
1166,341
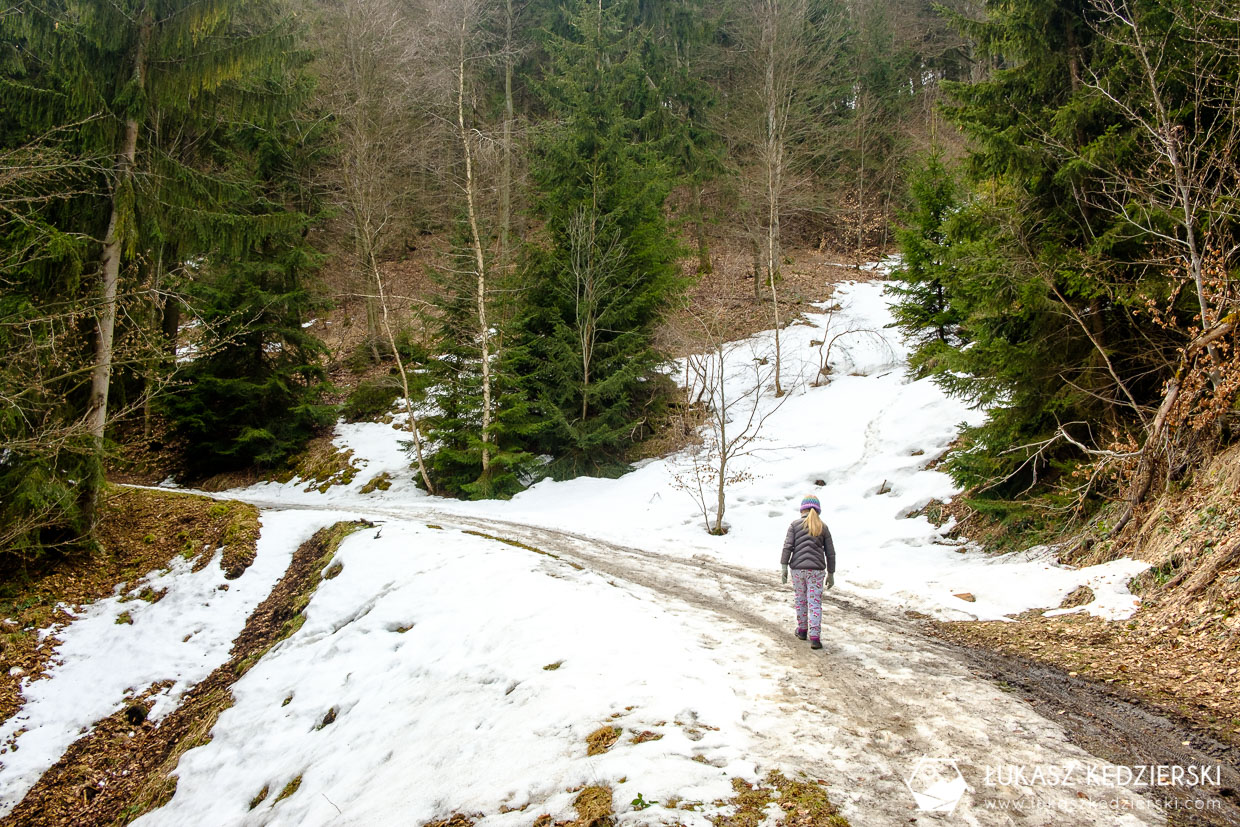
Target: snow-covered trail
862,713
426,679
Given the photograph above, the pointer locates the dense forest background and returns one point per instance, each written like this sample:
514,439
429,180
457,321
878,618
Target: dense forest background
185,185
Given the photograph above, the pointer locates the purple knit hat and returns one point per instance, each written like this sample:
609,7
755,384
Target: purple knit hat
809,502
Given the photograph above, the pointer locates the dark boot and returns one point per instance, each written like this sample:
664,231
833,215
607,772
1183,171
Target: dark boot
800,634
815,643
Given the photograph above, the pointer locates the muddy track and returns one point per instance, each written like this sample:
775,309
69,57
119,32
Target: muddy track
883,694
1094,718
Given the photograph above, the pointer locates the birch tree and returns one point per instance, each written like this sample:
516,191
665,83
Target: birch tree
791,50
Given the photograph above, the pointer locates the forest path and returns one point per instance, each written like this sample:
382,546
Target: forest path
882,700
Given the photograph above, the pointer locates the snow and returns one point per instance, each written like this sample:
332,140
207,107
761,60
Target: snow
870,429
104,662
468,695
430,647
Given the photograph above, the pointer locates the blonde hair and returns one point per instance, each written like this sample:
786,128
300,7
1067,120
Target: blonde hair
812,523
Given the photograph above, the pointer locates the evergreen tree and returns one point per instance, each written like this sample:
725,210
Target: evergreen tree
254,396
1057,243
140,95
923,309
455,429
607,273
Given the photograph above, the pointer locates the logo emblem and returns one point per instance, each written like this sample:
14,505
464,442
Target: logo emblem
936,784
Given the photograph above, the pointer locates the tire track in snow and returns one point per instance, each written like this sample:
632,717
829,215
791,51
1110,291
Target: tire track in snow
882,695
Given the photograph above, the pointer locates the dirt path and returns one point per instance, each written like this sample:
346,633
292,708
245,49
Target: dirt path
883,699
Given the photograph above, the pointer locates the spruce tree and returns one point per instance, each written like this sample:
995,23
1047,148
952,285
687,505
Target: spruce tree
923,309
607,271
455,429
254,395
141,95
1048,257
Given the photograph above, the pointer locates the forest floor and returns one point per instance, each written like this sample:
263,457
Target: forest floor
1180,651
139,532
723,298
614,651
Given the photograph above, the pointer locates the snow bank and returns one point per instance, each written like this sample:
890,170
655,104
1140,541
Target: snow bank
444,671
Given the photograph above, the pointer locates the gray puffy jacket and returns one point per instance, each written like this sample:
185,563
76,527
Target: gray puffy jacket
801,551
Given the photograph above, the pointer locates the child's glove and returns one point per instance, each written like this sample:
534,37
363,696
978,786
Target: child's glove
830,579
784,574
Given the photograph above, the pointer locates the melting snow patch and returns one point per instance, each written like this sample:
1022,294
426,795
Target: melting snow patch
441,671
116,650
868,427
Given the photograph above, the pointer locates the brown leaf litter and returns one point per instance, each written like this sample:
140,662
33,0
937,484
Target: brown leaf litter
123,767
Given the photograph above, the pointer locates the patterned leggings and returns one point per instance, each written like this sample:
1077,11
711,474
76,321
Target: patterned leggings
807,594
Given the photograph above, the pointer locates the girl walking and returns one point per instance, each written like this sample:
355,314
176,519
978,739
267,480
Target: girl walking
810,553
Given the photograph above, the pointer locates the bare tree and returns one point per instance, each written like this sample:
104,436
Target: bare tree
734,421
833,334
1192,179
790,50
595,251
367,67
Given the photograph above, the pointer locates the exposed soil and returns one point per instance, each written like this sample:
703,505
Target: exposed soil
1122,727
122,768
1180,652
1178,670
724,299
139,531
804,804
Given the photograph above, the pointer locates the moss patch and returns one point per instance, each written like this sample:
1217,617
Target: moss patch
289,789
260,796
380,482
321,466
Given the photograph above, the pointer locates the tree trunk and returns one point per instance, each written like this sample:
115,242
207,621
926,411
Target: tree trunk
484,330
1144,477
756,250
109,278
1098,336
774,173
699,225
373,326
170,323
505,181
414,428
858,253
722,417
